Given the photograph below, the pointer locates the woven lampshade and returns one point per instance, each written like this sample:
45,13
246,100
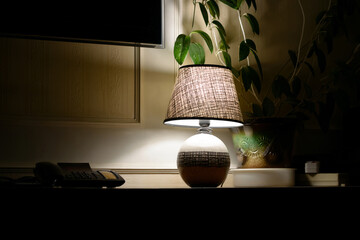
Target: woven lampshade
206,93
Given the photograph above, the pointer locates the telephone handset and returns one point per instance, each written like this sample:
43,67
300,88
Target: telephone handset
75,175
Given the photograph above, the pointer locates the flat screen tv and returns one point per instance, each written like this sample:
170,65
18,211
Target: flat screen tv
136,23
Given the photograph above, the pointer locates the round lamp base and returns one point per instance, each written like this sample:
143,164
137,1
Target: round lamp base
203,161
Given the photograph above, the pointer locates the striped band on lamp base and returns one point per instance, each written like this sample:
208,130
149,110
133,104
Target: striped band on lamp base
204,97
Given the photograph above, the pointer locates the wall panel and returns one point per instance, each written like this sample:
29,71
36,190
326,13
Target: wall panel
66,81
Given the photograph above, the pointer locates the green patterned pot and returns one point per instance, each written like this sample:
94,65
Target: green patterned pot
265,143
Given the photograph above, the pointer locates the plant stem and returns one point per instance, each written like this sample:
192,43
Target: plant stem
193,19
213,33
300,42
314,36
243,33
320,24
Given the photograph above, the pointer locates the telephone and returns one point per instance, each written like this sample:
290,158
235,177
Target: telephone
75,175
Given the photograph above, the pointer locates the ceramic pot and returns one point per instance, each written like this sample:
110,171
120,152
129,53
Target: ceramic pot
265,143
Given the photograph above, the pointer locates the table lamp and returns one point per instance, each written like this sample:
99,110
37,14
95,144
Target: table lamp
204,97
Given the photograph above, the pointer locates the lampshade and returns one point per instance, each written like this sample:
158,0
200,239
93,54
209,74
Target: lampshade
204,93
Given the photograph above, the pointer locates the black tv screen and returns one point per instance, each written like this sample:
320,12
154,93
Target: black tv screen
138,23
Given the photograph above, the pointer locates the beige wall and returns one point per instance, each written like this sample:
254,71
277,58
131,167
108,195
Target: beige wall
149,144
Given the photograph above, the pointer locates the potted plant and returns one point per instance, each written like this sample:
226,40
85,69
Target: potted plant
301,90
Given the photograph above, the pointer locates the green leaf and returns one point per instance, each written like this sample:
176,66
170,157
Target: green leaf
254,4
230,3
257,110
227,59
255,78
258,63
251,2
219,27
181,48
268,107
197,53
280,86
248,2
310,68
251,44
250,76
213,8
293,57
244,51
253,23
238,4
252,47
311,50
204,13
223,45
246,78
235,72
206,37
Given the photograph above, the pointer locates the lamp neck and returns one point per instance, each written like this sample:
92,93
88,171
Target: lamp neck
204,127
204,130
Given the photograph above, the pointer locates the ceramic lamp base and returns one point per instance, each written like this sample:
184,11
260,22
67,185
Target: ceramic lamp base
203,161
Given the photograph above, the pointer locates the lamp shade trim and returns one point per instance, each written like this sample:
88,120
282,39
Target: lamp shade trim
204,65
195,122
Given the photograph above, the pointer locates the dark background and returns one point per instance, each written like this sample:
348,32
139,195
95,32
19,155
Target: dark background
109,21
